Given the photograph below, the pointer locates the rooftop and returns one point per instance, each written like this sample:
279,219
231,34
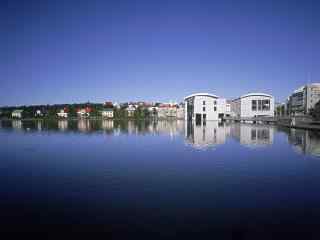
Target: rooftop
201,94
256,94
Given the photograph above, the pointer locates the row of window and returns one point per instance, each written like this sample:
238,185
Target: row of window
260,105
204,109
204,103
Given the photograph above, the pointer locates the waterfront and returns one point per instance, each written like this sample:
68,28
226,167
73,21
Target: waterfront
163,177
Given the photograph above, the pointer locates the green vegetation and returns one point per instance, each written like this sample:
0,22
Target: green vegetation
50,111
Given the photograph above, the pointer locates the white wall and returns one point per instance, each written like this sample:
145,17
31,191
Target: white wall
246,106
198,107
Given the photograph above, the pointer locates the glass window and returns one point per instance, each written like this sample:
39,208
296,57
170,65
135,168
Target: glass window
204,109
215,109
204,103
215,102
254,105
265,105
259,105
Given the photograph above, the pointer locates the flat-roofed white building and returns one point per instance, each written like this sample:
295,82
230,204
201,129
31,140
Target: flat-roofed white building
203,107
253,105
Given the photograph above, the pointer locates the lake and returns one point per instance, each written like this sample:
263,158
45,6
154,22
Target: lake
164,178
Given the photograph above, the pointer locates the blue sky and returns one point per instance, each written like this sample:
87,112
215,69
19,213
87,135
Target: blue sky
67,51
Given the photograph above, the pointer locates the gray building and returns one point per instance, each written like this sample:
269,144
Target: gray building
304,99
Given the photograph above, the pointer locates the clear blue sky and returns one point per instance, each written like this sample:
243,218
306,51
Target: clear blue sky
63,51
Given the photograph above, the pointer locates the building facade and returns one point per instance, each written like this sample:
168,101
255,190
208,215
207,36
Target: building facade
253,105
201,107
304,99
107,113
17,113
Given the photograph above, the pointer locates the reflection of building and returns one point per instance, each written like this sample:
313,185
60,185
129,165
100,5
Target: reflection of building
63,125
107,124
84,125
17,124
203,106
39,125
253,104
173,128
206,135
304,99
306,142
253,134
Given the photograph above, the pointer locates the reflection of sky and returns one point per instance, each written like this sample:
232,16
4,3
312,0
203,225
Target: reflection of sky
144,172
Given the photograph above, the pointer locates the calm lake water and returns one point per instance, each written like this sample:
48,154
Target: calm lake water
165,178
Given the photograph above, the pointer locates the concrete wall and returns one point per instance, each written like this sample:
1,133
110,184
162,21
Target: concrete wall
246,107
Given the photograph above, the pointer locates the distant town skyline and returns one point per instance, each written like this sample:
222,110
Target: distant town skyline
68,51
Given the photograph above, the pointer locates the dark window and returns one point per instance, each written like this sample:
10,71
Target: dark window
265,105
204,103
259,105
215,102
254,105
204,109
215,109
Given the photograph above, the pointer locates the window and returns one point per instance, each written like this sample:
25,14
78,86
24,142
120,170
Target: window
215,102
204,109
259,105
265,105
215,109
204,103
254,105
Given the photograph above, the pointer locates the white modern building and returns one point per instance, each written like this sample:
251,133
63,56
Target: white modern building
202,107
253,105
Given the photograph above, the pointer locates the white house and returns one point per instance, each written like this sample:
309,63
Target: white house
253,105
107,113
204,106
17,113
62,114
130,110
38,113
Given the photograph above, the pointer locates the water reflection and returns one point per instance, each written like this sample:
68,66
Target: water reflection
63,124
208,135
253,135
201,136
17,124
306,142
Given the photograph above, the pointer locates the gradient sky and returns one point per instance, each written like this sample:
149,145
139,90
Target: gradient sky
65,51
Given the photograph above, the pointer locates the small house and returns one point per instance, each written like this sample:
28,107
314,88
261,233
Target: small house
17,113
107,113
63,113
130,110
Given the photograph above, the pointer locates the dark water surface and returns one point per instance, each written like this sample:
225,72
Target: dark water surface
164,178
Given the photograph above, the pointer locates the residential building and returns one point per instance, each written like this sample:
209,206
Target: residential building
167,110
38,113
84,112
107,113
63,113
17,113
130,110
204,106
303,99
253,105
